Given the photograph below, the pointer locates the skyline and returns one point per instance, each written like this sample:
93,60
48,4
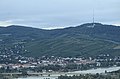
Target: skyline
58,14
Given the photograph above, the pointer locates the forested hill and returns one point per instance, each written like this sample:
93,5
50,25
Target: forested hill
85,40
108,32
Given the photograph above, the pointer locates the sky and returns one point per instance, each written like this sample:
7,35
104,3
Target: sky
51,14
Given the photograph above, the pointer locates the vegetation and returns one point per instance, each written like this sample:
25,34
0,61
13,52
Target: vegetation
90,76
74,41
70,46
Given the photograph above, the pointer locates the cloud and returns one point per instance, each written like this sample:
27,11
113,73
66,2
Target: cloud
116,24
6,23
49,28
61,13
10,22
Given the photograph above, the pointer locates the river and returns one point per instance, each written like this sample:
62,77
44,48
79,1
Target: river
98,70
92,71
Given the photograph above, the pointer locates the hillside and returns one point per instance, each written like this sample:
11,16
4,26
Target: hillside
83,40
71,46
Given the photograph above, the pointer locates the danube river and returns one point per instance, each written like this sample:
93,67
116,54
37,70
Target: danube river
92,71
98,70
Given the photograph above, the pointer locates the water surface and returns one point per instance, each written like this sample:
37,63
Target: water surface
92,71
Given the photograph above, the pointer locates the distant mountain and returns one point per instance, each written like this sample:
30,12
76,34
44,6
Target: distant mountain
85,40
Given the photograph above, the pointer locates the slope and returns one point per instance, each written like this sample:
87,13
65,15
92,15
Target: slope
65,45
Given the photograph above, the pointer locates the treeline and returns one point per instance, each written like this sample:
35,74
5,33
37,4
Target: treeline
67,68
91,76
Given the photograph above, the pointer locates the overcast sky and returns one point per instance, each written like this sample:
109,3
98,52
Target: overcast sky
58,13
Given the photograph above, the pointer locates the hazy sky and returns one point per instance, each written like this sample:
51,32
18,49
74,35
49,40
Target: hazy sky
58,13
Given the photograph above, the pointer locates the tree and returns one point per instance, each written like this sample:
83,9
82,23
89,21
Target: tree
24,73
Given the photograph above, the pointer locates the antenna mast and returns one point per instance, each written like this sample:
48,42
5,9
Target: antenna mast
93,24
